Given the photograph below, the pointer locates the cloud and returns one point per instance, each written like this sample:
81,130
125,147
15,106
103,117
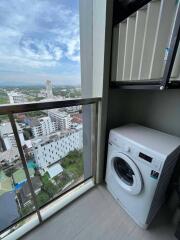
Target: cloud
36,35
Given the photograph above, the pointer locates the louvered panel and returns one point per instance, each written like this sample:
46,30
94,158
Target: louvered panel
149,39
115,47
175,75
137,45
176,68
129,39
163,31
121,50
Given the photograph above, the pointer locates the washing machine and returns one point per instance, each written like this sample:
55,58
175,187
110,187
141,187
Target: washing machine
140,163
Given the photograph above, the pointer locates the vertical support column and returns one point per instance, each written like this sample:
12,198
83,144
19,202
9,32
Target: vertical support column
94,140
21,153
86,49
87,144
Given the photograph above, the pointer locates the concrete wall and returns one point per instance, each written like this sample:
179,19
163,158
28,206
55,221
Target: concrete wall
156,109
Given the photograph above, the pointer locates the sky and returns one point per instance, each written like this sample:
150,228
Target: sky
39,40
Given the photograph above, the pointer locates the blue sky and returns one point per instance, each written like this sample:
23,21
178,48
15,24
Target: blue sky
39,40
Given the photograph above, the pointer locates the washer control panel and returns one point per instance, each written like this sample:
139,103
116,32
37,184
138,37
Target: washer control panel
150,160
136,153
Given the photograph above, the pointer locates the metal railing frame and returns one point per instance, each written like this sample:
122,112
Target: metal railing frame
10,109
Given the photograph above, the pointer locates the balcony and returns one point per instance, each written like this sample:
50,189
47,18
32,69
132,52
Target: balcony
52,167
96,215
50,163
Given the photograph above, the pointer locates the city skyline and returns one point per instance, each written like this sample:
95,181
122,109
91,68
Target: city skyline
39,41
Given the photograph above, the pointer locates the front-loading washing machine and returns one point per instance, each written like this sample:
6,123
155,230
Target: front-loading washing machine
140,163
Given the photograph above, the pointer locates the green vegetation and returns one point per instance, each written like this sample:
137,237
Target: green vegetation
48,190
3,97
67,92
3,118
27,133
48,187
73,163
42,198
19,176
4,101
36,114
62,180
26,210
73,169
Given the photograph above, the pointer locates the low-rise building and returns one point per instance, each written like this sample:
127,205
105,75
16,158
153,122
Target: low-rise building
19,177
9,156
24,193
15,97
7,135
8,209
49,150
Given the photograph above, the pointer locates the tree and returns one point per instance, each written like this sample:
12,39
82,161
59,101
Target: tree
48,186
26,210
42,198
27,133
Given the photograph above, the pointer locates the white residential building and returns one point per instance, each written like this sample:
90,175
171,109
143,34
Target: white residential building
62,119
42,126
7,135
15,97
57,146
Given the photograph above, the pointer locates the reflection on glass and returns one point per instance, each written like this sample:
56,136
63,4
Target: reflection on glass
53,150
15,197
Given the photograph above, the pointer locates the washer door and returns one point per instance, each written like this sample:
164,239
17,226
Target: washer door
127,173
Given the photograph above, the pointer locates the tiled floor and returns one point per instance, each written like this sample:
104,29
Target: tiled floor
97,216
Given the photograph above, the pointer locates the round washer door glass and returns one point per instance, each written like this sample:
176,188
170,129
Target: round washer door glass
124,171
127,173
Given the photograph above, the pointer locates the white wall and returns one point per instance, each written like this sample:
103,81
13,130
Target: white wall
92,40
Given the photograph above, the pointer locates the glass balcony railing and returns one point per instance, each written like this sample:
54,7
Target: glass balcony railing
46,150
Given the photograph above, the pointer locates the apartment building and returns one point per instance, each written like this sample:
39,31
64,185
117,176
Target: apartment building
61,118
50,150
42,126
7,135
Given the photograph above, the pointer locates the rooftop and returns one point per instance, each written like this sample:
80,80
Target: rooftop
25,190
19,176
8,214
54,170
54,136
9,154
5,128
34,122
5,183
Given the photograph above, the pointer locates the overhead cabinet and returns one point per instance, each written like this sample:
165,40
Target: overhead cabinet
142,45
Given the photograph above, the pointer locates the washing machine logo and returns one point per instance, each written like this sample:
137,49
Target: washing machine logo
154,174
